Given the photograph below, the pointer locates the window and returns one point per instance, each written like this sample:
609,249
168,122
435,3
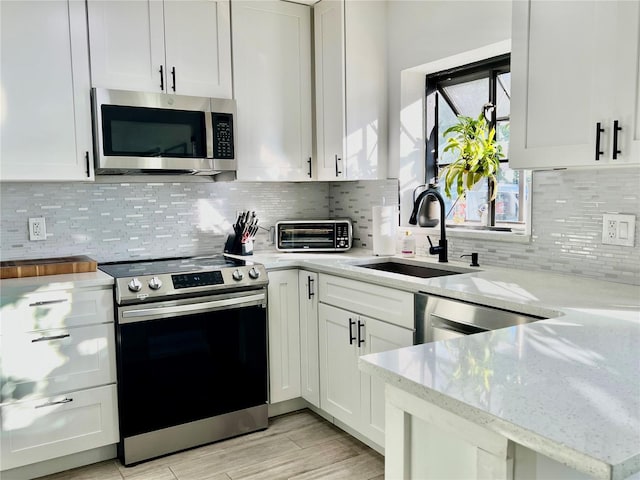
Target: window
469,90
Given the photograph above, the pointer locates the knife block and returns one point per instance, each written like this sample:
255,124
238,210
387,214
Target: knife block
235,246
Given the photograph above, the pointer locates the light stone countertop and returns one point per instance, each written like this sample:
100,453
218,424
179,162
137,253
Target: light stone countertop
567,387
67,281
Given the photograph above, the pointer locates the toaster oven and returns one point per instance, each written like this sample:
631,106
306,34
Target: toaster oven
314,235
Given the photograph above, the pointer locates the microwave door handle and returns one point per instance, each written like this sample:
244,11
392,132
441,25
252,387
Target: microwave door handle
208,124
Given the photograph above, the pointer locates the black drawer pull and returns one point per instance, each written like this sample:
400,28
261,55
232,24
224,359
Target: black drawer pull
52,337
51,404
47,302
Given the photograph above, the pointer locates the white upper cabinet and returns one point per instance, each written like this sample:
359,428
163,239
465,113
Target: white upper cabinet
272,84
45,116
575,76
172,46
351,98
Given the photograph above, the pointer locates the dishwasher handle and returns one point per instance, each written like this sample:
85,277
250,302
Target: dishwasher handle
438,322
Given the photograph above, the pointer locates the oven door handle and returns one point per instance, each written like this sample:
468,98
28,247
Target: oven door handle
237,302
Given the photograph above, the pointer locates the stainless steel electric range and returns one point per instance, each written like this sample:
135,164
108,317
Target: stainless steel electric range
191,352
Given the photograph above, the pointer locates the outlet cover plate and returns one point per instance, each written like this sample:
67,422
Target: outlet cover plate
37,229
618,229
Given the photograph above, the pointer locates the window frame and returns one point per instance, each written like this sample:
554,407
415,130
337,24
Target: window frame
490,68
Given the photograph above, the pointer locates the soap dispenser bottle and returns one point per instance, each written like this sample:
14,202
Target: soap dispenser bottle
408,245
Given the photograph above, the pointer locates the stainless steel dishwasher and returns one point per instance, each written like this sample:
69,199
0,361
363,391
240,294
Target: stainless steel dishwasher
439,318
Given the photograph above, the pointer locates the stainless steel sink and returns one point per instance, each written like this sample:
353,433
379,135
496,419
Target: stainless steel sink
412,269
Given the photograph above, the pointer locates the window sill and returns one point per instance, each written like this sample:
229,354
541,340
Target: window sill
498,236
508,237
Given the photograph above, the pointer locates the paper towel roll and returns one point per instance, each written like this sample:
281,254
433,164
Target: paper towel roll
385,224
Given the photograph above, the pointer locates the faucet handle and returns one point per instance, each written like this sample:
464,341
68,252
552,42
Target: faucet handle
432,249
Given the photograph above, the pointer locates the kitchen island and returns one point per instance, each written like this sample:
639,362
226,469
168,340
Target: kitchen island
566,389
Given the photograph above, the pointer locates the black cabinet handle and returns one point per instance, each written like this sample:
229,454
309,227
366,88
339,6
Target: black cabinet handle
51,404
360,339
309,162
309,285
52,337
161,78
173,78
47,302
338,172
351,335
599,130
616,128
86,159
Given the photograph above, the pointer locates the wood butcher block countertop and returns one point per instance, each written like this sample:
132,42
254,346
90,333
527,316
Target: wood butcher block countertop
47,266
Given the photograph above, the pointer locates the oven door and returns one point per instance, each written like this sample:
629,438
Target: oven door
186,360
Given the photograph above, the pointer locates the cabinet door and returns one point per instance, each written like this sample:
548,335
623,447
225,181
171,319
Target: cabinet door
272,73
52,427
284,336
558,105
339,374
365,89
627,78
379,337
309,361
127,45
330,88
198,47
45,109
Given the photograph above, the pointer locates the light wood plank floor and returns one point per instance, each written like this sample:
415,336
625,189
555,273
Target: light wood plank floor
296,446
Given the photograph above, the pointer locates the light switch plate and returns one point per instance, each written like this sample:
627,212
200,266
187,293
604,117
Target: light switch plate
618,229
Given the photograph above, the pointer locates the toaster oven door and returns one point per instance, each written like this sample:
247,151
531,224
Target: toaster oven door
306,236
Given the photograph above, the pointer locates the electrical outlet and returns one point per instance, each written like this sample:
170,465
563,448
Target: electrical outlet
37,229
618,229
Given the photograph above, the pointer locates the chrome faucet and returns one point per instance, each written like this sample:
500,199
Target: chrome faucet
441,249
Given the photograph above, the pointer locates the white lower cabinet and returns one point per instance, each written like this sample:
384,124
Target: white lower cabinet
339,374
309,361
51,427
346,393
284,336
57,370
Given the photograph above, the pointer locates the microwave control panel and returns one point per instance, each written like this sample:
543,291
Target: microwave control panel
223,136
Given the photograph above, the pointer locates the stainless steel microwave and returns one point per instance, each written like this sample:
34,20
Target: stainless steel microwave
138,132
314,235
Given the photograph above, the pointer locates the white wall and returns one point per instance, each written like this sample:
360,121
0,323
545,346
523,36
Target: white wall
421,32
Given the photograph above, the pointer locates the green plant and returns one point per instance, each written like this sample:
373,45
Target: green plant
478,155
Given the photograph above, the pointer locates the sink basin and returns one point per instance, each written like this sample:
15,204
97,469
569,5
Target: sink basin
413,270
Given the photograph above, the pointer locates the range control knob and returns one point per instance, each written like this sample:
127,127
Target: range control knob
253,273
237,275
135,285
155,283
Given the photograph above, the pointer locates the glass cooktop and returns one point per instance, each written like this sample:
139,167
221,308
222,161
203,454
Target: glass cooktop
169,265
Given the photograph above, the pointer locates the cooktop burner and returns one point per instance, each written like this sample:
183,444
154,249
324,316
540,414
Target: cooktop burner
144,280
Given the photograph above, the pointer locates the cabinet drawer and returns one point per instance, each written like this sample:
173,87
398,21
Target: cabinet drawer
56,309
49,362
387,304
56,426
